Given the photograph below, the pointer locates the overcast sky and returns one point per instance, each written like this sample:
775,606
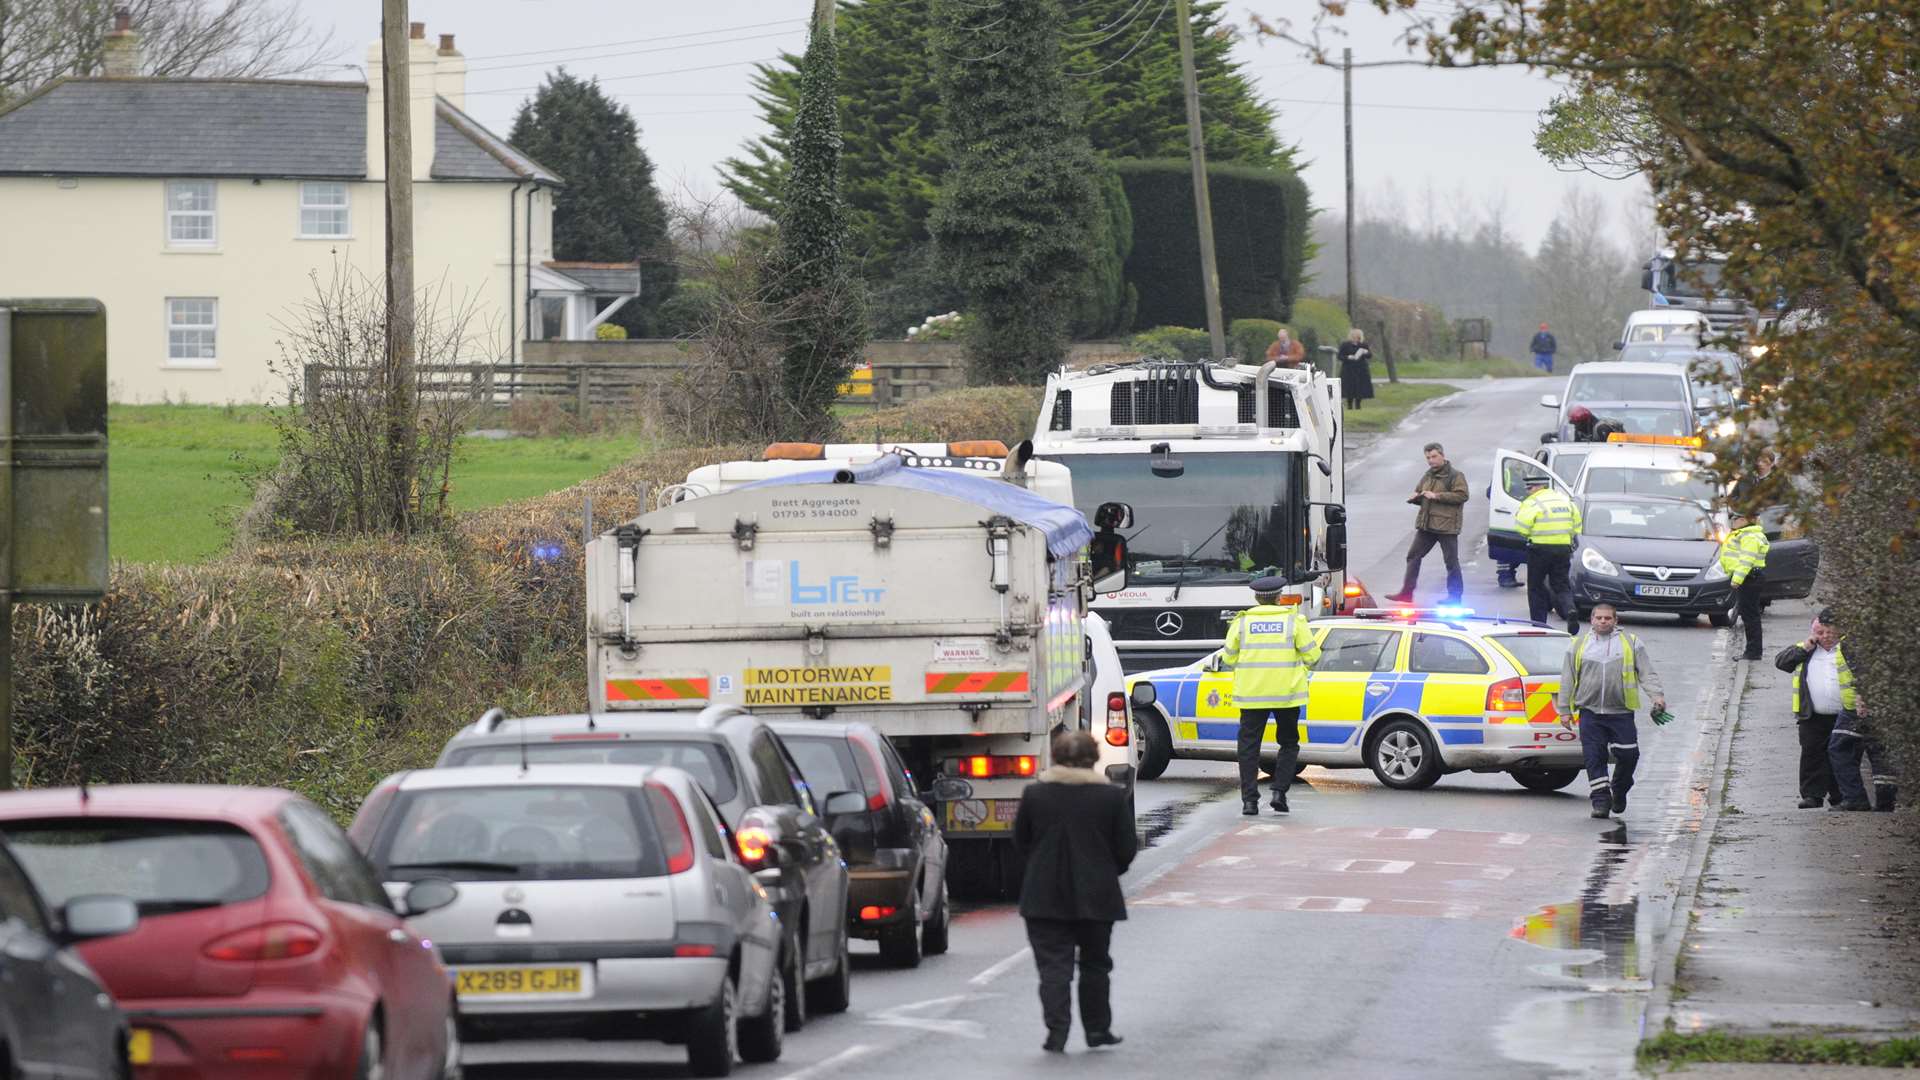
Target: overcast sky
682,67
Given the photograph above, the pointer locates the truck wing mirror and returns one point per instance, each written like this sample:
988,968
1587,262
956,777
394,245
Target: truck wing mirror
1113,515
1337,544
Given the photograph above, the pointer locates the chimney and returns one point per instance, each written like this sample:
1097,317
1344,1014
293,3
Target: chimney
417,31
423,62
120,52
450,74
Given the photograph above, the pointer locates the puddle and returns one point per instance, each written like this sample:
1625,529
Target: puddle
1599,930
1155,824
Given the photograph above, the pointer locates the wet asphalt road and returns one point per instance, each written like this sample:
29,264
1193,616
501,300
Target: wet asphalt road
1474,929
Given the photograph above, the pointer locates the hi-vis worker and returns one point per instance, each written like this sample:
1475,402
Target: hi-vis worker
1743,557
1548,521
1600,681
1268,649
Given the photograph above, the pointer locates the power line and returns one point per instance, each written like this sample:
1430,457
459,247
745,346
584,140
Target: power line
1412,108
1124,57
640,75
630,52
641,41
1127,19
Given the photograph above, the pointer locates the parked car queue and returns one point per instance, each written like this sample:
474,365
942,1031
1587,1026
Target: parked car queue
568,877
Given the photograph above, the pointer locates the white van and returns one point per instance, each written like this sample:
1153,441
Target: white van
1664,325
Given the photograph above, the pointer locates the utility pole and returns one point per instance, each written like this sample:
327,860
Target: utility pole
397,85
823,14
1202,203
1346,74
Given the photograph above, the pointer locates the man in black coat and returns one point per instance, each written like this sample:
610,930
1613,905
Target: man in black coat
1076,833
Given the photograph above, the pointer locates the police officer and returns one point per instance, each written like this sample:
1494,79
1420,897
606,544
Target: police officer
1600,680
1548,521
1743,557
1268,649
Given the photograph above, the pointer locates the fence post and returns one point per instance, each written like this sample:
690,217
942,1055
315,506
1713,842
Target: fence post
584,388
882,386
312,375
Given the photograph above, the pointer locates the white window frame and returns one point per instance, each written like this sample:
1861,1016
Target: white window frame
345,206
212,328
211,213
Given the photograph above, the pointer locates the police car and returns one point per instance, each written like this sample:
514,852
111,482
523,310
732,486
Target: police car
1410,693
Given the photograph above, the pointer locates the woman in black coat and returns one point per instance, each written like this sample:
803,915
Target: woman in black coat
1076,832
1356,375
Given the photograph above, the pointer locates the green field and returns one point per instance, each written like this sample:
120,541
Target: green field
1391,403
175,474
1500,367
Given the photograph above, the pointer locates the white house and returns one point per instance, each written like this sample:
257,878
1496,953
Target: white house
197,211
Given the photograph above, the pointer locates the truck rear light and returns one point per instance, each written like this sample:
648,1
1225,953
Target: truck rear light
1117,733
675,835
1507,695
876,912
268,941
992,766
1353,589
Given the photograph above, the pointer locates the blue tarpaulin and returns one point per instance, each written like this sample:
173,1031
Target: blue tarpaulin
1065,528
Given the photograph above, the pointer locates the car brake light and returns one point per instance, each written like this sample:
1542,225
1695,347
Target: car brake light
693,950
878,800
672,823
874,913
753,843
1117,734
1507,695
268,941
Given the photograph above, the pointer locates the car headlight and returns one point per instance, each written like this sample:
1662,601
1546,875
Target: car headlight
1715,572
1597,563
1726,428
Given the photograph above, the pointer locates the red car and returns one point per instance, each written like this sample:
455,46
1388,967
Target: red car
266,945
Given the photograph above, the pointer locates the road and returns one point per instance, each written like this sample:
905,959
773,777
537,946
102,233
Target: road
1469,930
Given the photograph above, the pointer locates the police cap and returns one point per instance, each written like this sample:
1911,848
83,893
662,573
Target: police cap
1269,584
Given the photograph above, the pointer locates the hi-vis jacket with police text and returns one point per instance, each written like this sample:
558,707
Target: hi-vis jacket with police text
1547,519
1744,552
1268,649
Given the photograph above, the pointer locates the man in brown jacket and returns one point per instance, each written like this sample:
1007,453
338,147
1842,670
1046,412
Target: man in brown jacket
1440,495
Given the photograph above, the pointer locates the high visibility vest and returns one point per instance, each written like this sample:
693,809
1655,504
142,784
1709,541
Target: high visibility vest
1629,675
1269,648
1744,552
1548,519
1849,700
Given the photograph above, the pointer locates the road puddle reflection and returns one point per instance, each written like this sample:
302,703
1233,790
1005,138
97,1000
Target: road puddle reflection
1601,929
1157,823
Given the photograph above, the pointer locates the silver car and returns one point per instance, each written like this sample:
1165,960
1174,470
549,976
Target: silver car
55,1017
597,902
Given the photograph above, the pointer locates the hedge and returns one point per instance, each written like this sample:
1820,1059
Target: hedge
1173,343
1260,240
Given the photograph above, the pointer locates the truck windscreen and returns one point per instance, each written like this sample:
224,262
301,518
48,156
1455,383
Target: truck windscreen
1690,279
1223,521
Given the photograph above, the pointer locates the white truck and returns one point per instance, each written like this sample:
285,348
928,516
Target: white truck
1232,473
939,604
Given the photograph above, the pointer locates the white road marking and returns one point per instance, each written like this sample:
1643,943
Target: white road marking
904,1016
1228,861
830,1065
1261,830
1324,903
1369,866
1402,834
1001,968
1514,839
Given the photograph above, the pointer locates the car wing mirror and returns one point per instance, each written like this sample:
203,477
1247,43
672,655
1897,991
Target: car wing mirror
844,802
88,917
428,894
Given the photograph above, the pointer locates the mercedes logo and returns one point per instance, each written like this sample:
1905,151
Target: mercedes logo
514,895
1662,572
1169,623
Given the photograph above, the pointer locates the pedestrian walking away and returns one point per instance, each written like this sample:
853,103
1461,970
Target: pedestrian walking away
1356,374
1440,494
1600,680
1743,558
1268,649
1550,523
1285,351
1543,347
1075,830
1822,686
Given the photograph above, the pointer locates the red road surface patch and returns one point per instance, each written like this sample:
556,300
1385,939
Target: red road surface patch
1428,873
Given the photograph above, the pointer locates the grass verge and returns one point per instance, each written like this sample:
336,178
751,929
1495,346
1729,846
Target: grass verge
1703,1047
1500,367
1390,404
176,478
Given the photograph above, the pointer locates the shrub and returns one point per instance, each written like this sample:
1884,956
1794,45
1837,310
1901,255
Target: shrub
1324,318
607,331
990,412
1174,343
1247,339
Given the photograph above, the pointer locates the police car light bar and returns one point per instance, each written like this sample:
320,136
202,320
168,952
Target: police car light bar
1446,613
1693,441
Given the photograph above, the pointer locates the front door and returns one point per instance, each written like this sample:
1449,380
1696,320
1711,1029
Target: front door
1511,470
1352,676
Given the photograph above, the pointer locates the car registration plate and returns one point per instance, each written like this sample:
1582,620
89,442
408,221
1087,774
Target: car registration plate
140,1047
1660,590
486,981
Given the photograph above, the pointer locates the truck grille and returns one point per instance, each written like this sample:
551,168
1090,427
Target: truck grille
1280,408
1170,398
1147,624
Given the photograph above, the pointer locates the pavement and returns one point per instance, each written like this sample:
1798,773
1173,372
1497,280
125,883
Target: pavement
1470,930
1803,922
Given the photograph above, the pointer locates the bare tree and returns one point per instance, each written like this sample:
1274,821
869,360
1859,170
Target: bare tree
42,40
1586,280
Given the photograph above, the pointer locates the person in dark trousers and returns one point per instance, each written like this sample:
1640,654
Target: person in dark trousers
1549,522
1268,648
1822,686
1543,347
1076,832
1743,558
1600,681
1356,374
1440,494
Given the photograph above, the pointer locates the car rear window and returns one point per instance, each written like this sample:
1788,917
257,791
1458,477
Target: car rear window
826,762
523,832
164,866
704,761
1539,654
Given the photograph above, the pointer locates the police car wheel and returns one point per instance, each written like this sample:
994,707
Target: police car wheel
1156,745
1403,756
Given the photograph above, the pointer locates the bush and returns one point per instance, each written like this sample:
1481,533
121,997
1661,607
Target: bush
1324,318
1248,339
607,331
1260,238
1106,300
1175,343
997,412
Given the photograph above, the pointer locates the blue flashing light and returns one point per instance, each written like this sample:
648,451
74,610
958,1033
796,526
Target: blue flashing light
547,551
1453,612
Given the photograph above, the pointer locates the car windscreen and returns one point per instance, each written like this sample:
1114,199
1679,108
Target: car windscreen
1672,483
1661,519
1659,352
1669,332
1641,420
826,762
526,832
1567,464
163,866
703,760
1222,521
1538,654
1588,387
